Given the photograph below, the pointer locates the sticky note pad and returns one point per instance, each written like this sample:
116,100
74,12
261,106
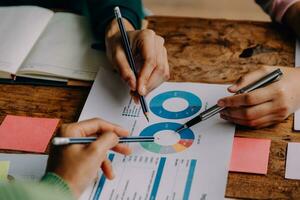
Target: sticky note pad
250,155
292,168
4,168
26,133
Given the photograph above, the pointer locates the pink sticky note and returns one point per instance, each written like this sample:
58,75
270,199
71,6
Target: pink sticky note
250,155
26,133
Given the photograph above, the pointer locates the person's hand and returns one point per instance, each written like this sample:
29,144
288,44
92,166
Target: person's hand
264,106
79,164
149,53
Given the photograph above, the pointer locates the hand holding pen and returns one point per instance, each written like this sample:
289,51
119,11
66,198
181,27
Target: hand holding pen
147,49
129,56
79,165
262,82
264,106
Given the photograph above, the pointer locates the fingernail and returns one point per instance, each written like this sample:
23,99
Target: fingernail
113,175
143,90
221,103
232,88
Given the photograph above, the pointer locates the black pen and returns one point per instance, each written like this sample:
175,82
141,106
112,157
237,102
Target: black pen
126,45
269,78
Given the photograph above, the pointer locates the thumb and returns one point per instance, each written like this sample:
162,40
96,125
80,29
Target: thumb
249,78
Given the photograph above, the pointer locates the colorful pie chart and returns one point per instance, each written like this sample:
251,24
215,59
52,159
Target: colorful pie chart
186,138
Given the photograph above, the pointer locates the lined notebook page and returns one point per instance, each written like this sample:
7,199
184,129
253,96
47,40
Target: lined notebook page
20,27
64,50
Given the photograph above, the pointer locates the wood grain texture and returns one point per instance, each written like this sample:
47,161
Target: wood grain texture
204,50
200,50
41,101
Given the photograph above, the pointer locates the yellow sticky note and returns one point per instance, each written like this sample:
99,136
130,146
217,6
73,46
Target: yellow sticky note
4,167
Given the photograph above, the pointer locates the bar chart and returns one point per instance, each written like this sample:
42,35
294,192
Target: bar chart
143,177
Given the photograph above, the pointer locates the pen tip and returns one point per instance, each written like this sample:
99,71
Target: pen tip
180,129
147,117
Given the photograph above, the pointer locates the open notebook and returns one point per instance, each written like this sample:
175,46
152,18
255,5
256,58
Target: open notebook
38,43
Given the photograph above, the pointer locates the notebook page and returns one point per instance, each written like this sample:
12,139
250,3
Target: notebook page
20,27
64,50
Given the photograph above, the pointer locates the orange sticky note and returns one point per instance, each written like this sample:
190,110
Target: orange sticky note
26,133
250,155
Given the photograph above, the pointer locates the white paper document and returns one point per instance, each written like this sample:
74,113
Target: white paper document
297,64
292,161
25,166
191,164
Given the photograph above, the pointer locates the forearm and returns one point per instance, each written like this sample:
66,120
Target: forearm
292,18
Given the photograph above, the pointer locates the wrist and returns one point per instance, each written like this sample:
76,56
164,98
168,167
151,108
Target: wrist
292,17
113,28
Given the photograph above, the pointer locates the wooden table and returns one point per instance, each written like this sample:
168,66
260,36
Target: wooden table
200,50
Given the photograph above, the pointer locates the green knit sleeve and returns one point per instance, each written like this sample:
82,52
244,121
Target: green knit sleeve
53,179
101,13
51,187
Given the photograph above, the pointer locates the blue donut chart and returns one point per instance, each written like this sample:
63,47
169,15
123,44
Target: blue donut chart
187,138
194,105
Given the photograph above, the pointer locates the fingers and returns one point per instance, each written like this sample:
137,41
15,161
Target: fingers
250,78
256,123
107,169
161,73
255,97
250,113
122,149
135,97
259,116
147,46
155,68
124,68
100,147
96,125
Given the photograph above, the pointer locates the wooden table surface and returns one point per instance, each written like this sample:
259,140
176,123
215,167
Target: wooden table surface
199,50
